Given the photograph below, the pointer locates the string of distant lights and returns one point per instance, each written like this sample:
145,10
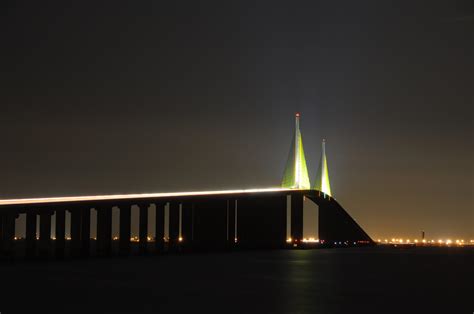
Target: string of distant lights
314,241
448,242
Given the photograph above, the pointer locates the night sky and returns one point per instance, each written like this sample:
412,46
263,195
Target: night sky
155,96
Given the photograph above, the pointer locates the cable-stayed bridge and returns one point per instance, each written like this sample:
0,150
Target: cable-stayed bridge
203,220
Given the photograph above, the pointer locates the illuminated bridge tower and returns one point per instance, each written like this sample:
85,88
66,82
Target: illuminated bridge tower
322,176
335,225
296,177
296,172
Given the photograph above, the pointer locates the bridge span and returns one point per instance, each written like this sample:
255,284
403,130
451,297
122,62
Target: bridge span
213,220
207,220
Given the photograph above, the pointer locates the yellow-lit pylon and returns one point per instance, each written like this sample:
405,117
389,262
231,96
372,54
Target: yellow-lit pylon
322,176
296,172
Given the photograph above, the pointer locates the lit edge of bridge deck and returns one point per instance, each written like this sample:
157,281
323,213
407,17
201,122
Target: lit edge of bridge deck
69,199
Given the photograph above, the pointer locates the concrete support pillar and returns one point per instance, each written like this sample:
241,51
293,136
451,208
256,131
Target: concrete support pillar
174,225
30,233
85,231
45,233
75,232
210,224
160,227
60,232
104,231
231,210
143,227
297,218
2,218
8,233
125,229
187,224
262,222
325,224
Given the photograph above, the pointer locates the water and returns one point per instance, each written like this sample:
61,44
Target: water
354,280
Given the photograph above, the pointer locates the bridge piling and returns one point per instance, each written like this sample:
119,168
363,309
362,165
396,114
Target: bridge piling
159,226
85,231
275,211
8,233
75,232
45,233
210,224
60,232
187,225
104,231
297,218
143,228
173,226
30,233
125,221
2,231
262,222
231,234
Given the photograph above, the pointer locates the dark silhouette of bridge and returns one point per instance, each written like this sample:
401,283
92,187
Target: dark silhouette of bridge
253,219
196,221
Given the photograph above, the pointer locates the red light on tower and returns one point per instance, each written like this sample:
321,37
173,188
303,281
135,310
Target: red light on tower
297,114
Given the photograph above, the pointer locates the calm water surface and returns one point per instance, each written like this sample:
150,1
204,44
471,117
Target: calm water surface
355,280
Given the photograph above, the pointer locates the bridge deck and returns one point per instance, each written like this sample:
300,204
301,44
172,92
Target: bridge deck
140,196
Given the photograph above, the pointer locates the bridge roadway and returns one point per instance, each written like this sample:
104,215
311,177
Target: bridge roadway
209,220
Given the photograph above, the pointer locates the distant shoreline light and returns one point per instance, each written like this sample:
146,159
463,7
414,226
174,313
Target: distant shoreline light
437,242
